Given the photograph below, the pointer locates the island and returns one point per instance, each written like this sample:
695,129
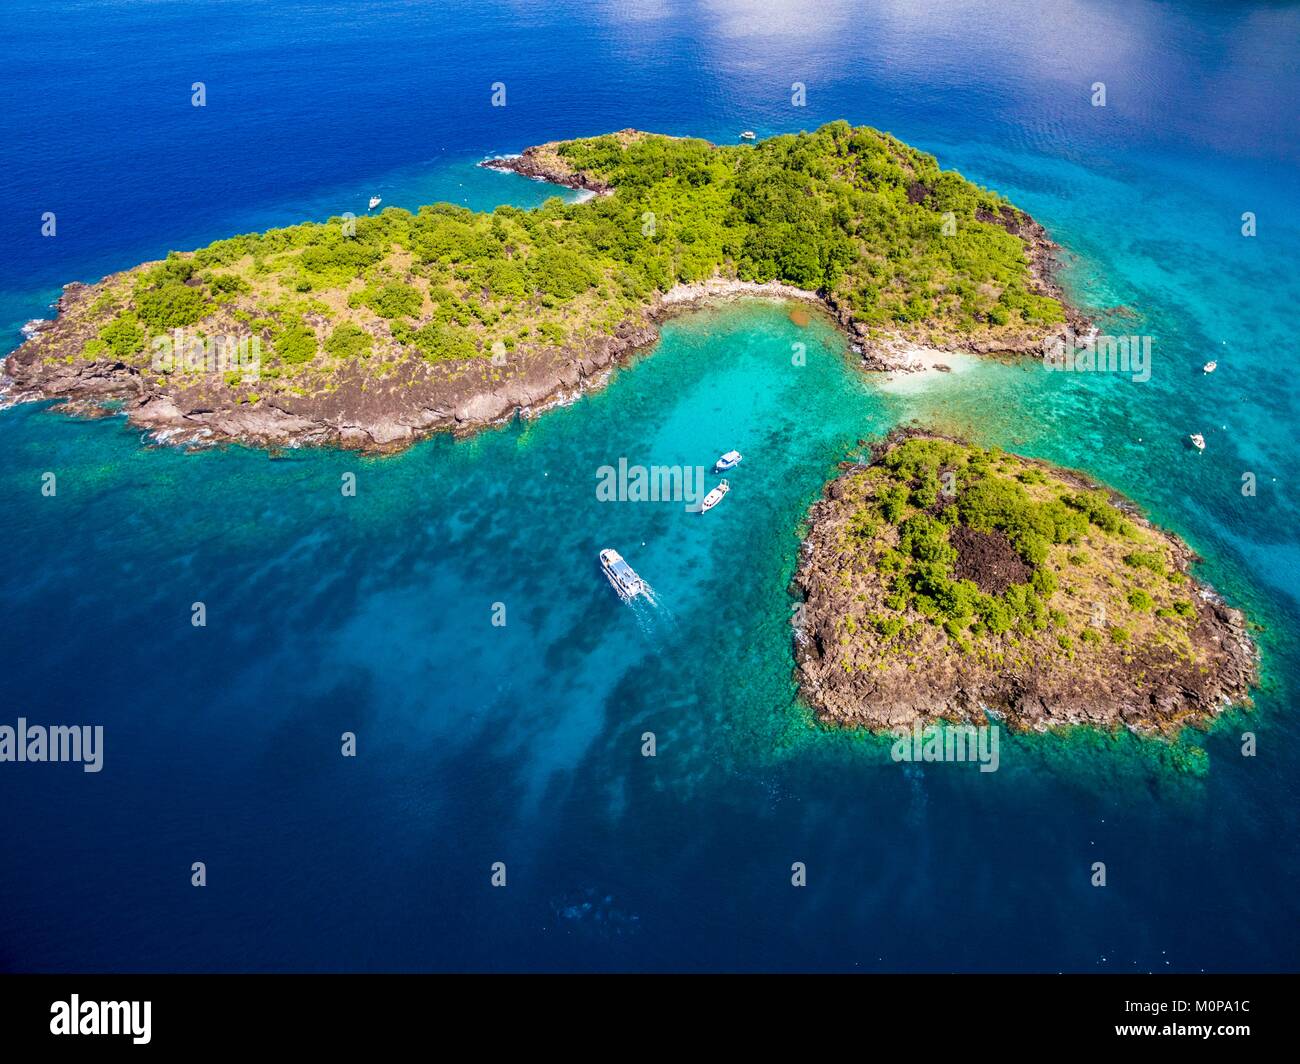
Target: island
945,582
373,332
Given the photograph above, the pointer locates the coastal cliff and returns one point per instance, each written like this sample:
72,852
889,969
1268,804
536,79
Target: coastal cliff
943,581
374,332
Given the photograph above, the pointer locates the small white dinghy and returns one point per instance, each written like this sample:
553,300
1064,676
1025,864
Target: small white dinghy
748,134
714,497
1198,441
375,201
1209,367
728,461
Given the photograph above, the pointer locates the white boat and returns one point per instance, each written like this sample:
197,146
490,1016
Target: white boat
625,581
747,135
375,201
1210,367
1198,441
714,497
728,461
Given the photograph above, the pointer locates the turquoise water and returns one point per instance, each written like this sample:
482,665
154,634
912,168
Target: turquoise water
373,614
522,743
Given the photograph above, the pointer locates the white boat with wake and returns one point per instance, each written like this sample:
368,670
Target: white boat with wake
714,497
621,575
728,461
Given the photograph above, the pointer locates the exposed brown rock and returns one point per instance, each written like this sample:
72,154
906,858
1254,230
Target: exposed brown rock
988,560
361,412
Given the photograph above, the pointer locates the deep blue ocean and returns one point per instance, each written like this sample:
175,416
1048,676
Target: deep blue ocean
522,744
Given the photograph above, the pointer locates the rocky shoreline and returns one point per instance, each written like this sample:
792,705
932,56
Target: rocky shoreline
361,413
1026,681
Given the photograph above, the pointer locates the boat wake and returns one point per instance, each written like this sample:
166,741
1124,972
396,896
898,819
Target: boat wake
651,614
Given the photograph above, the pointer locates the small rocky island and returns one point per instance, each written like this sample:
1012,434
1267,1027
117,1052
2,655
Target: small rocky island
943,580
373,332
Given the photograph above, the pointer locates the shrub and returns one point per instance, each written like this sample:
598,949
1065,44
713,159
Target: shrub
1044,582
888,626
1095,505
295,344
444,343
560,272
349,341
893,503
1143,559
926,540
926,493
552,332
393,300
505,280
123,335
172,270
1140,600
171,307
995,614
104,303
229,284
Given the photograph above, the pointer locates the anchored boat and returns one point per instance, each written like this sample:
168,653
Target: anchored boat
1210,367
375,201
747,135
714,497
620,574
728,461
1198,441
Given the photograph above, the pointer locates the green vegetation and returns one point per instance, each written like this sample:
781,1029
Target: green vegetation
123,335
170,306
993,550
349,341
295,344
851,212
1140,600
1141,559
